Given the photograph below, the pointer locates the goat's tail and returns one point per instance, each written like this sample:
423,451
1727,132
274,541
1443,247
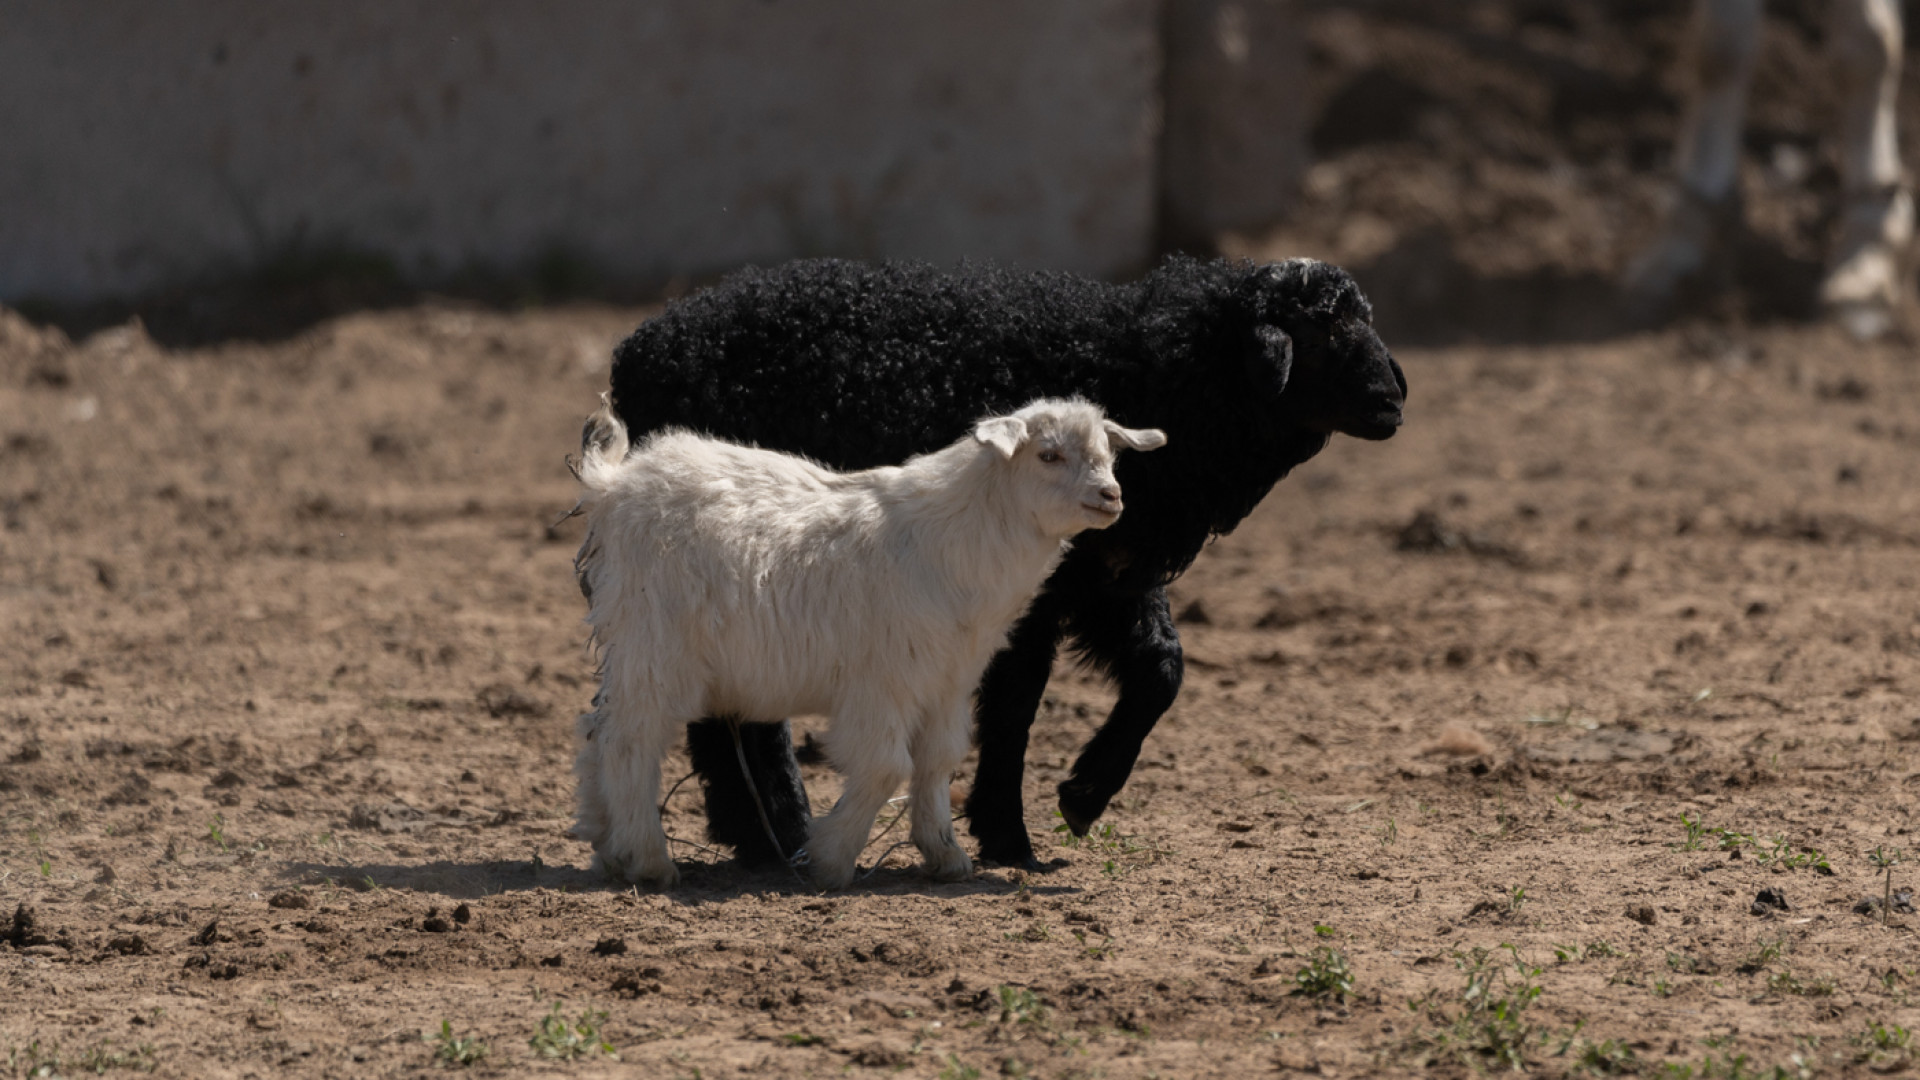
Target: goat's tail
603,446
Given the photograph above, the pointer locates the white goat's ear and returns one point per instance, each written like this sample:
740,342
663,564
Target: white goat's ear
1003,433
1136,438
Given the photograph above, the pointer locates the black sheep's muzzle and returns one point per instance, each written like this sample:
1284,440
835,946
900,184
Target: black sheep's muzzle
1380,405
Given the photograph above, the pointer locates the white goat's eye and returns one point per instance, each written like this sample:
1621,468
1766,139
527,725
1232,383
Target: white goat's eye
1051,457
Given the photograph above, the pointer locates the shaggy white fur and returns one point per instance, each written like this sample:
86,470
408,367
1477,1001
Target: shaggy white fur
728,580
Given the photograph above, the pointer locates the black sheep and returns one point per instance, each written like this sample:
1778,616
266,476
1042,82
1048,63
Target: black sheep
1249,370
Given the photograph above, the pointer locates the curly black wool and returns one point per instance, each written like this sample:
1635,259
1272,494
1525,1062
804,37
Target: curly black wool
1248,369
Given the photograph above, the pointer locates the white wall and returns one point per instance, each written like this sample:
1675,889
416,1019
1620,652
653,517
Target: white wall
148,142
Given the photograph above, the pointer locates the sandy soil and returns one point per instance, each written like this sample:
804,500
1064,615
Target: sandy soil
1516,715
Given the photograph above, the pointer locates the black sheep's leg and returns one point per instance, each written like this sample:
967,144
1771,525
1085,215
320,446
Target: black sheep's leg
731,816
1133,640
1003,714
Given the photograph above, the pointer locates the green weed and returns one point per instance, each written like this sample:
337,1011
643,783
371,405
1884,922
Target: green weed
1882,1044
1019,1005
456,1050
1488,1022
1884,861
1696,832
1326,975
556,1038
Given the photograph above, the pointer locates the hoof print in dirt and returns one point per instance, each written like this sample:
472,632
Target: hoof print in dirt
215,969
643,982
1500,910
1770,902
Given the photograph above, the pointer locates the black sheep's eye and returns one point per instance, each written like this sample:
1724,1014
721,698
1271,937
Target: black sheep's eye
1051,457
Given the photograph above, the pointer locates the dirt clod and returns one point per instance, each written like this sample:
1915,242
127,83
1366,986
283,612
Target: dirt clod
1870,905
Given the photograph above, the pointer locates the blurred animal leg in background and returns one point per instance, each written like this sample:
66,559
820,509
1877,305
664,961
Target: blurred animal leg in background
731,816
1863,283
1705,208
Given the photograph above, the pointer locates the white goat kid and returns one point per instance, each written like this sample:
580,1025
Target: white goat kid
727,580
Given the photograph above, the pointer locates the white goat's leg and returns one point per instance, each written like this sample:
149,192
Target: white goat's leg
1724,41
632,742
591,825
1862,285
872,754
938,748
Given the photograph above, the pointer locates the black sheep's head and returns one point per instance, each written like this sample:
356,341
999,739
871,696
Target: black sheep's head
1314,342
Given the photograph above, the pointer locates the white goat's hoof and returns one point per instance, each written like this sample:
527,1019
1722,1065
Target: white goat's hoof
635,872
832,877
955,866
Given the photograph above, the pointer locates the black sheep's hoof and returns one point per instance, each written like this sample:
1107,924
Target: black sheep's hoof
1080,812
1010,852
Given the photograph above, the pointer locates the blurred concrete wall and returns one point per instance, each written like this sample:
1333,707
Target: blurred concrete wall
1234,148
149,144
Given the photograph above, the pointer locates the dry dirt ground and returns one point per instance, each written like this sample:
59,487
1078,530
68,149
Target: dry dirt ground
294,655
1514,715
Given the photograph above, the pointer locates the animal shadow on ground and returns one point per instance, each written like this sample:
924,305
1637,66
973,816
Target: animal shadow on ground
699,881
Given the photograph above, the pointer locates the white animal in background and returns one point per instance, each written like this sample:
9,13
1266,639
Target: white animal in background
727,580
1864,37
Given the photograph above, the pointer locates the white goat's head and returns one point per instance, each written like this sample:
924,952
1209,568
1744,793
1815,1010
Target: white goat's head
1061,451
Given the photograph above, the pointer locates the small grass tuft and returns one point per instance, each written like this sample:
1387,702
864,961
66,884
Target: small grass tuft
557,1038
1019,1005
1883,1045
1488,1022
1612,1057
458,1051
1326,975
1786,982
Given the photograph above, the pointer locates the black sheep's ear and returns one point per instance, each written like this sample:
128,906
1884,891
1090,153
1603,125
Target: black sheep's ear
1273,359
